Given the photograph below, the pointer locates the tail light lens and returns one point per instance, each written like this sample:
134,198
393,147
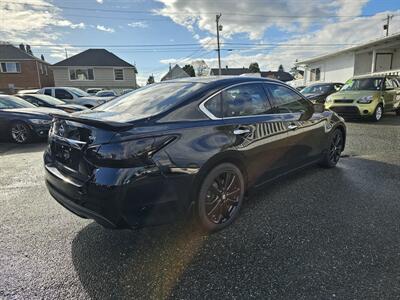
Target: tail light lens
129,153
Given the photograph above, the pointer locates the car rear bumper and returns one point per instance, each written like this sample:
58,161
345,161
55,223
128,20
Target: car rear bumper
122,198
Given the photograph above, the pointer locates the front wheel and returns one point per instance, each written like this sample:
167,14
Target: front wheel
378,113
220,197
332,156
20,133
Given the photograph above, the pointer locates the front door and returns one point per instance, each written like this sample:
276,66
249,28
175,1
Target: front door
306,129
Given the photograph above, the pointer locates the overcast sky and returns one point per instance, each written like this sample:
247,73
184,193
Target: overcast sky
153,34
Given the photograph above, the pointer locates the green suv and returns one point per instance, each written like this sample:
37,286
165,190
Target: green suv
366,96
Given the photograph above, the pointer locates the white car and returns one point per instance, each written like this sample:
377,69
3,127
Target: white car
73,95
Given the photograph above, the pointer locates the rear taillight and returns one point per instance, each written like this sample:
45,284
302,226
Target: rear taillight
137,152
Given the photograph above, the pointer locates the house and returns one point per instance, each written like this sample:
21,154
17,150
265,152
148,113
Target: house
95,68
378,56
21,70
279,75
174,73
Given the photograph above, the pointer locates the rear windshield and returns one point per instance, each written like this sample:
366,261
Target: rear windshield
14,102
49,99
363,84
151,100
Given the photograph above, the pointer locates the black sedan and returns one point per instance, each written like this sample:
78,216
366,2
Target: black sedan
189,146
318,92
21,121
48,101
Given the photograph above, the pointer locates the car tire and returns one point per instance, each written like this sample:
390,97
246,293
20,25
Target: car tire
332,155
378,113
20,133
220,197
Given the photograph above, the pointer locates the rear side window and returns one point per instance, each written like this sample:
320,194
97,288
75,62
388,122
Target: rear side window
245,100
286,100
47,92
62,94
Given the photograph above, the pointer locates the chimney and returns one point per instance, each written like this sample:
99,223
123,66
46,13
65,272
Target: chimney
42,57
170,66
226,67
28,50
22,47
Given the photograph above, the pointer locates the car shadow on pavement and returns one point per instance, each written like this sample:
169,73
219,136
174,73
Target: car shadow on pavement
387,119
314,234
11,148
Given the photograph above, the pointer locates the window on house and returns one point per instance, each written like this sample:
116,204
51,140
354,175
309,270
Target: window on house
81,74
315,74
10,67
46,71
41,69
119,74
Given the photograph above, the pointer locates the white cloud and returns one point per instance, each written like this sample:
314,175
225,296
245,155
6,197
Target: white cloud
139,24
105,29
353,31
35,25
100,1
254,17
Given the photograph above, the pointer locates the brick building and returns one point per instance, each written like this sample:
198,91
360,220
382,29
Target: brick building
20,70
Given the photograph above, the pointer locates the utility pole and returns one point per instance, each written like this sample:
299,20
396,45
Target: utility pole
386,26
219,28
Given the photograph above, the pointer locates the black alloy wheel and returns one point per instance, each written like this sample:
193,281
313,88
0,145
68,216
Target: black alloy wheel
332,156
221,197
20,133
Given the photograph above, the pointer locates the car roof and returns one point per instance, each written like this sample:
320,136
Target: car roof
222,79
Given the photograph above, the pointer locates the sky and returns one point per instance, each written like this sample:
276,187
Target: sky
154,34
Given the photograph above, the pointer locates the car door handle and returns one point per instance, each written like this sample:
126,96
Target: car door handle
240,131
292,127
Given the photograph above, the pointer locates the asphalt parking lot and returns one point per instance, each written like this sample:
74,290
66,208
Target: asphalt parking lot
316,234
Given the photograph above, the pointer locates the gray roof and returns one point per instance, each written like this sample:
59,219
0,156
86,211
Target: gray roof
175,72
10,52
230,71
280,75
94,58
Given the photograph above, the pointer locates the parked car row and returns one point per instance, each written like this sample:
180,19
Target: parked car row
360,97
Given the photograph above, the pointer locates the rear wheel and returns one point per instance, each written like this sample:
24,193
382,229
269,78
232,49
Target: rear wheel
378,113
332,156
20,133
220,197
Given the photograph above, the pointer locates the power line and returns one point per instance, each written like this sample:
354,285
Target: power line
190,14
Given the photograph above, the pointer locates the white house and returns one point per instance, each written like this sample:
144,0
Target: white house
378,56
95,68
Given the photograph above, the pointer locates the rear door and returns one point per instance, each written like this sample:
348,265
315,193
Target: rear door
306,129
257,133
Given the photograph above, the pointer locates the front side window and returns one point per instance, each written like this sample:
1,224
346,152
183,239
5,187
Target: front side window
286,100
81,74
10,67
62,94
119,74
47,92
245,100
214,105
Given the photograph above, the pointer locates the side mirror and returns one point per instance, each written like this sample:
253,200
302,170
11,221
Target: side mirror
319,107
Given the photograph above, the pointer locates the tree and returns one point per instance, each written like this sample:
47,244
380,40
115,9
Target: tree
281,69
201,67
189,70
150,80
254,68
